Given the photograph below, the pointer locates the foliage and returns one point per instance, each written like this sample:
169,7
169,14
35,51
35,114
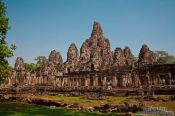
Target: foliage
40,59
6,51
164,58
32,66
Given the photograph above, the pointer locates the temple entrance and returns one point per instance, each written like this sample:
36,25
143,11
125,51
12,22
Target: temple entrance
92,67
68,70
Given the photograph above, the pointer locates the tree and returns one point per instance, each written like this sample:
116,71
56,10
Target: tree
164,58
32,66
39,60
6,51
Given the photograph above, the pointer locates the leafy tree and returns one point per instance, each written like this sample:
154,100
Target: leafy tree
164,58
39,60
6,51
37,66
30,67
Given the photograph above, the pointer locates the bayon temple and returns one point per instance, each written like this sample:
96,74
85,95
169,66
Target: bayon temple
96,66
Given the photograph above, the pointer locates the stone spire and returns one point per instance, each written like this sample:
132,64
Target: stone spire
146,56
118,58
72,58
95,52
55,57
129,57
72,53
97,30
19,64
54,65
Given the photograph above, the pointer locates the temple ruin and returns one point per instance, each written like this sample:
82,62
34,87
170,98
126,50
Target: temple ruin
96,67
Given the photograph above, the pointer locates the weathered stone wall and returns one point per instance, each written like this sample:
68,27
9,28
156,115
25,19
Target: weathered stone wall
157,75
147,76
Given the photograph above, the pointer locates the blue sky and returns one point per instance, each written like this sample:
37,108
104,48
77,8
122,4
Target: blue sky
39,26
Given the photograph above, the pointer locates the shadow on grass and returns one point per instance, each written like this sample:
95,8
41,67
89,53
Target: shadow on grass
22,109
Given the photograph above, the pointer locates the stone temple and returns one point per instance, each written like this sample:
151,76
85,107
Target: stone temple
96,67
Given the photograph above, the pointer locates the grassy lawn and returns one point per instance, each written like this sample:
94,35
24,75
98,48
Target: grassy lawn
170,105
23,109
86,102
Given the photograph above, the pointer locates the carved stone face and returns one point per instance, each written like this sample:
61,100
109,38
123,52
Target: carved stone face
55,57
19,65
127,51
97,30
118,53
146,56
85,56
85,53
72,52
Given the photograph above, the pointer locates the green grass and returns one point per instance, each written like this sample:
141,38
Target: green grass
86,102
170,105
23,109
166,97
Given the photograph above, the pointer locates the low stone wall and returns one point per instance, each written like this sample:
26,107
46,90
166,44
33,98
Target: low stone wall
75,91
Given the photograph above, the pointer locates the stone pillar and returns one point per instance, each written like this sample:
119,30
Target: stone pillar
95,81
169,78
37,80
68,82
64,82
76,82
71,83
114,82
104,82
159,79
123,80
148,79
87,82
44,80
82,82
56,81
